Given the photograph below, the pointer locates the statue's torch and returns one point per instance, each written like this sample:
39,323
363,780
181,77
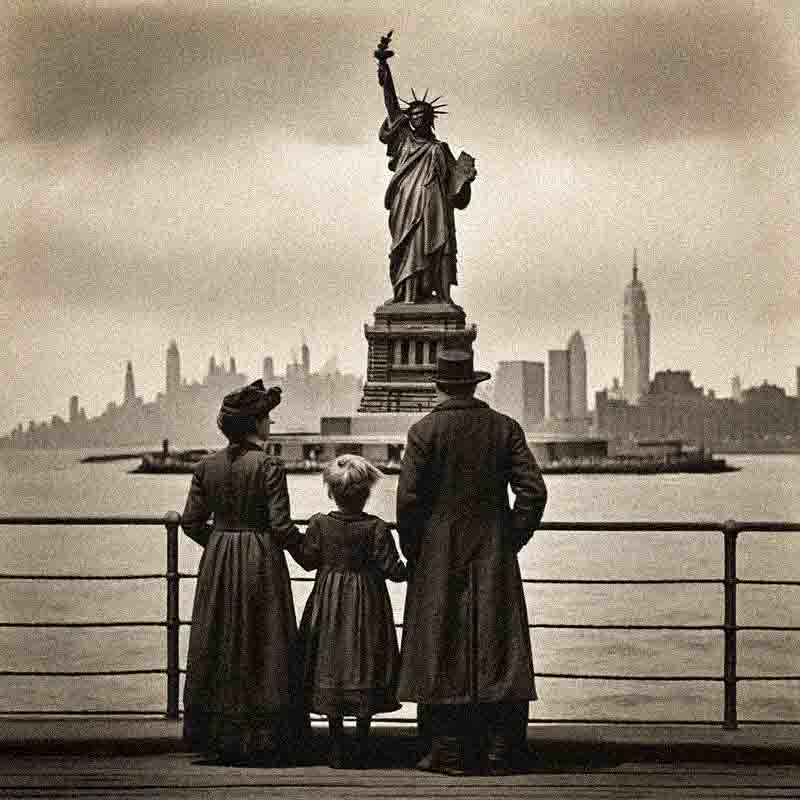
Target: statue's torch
383,54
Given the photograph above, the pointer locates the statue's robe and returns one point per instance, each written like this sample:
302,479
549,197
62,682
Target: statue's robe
420,206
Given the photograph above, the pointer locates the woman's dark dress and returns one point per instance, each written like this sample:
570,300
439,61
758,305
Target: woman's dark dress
241,695
347,630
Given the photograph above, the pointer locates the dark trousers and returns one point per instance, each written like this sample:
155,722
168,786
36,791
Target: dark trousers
476,720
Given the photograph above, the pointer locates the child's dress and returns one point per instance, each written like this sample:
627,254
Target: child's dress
347,631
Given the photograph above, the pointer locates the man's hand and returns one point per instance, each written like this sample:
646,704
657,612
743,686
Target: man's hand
383,71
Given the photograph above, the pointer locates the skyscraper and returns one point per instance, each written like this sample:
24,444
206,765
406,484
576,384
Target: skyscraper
519,391
636,344
576,358
558,384
173,368
567,380
130,389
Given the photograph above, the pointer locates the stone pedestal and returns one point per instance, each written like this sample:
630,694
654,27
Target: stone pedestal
403,345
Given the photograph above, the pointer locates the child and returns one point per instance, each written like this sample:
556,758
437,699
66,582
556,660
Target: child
347,630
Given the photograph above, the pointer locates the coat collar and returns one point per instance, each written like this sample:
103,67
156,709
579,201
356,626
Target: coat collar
347,516
460,402
252,443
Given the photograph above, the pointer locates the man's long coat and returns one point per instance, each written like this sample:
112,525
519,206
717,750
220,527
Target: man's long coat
465,629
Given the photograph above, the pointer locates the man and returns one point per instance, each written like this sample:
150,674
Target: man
466,653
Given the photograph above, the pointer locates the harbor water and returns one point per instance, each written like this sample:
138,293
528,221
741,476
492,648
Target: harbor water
766,488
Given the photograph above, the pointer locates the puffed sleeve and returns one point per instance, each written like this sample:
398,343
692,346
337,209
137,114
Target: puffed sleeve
309,553
384,554
530,492
196,513
283,530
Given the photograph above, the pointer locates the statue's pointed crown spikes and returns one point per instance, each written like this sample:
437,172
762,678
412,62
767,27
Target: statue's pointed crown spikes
430,103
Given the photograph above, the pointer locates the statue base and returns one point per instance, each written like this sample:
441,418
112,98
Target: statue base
403,344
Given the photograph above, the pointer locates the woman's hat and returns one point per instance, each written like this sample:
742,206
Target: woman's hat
454,367
253,400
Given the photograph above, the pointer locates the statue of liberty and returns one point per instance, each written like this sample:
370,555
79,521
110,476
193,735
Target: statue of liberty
427,185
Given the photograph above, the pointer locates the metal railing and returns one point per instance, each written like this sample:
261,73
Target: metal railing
172,623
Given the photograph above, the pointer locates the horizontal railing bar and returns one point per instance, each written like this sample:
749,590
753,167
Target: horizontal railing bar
304,579
768,627
668,526
768,677
52,577
541,625
622,580
81,713
591,627
83,674
142,519
622,721
592,676
133,624
768,583
405,720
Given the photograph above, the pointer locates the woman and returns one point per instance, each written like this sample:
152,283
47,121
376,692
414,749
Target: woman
241,699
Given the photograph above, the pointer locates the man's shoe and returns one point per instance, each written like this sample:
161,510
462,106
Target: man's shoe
338,754
500,755
446,756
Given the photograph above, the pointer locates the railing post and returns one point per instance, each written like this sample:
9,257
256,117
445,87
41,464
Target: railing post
730,530
172,520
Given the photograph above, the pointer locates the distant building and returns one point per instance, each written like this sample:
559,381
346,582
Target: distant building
130,388
736,389
173,381
576,356
566,392
558,384
519,391
636,340
186,413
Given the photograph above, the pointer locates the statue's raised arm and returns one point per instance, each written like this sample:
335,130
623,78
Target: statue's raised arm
383,54
428,184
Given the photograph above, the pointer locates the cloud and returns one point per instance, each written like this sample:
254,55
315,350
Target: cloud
158,70
611,73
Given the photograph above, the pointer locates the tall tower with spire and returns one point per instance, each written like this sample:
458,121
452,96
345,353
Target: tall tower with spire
130,388
636,340
173,368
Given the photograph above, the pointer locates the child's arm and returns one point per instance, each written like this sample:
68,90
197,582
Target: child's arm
385,555
309,551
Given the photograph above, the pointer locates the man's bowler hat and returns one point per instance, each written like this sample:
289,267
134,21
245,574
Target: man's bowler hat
454,368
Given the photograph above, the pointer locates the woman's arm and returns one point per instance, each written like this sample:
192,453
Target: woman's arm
285,533
196,513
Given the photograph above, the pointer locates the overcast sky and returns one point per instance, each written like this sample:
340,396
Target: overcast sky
209,171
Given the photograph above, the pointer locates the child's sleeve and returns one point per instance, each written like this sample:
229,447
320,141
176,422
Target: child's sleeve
385,555
309,551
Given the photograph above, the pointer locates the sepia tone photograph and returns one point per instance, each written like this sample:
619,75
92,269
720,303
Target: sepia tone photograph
400,399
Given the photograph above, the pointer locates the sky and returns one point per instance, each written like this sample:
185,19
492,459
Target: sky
209,171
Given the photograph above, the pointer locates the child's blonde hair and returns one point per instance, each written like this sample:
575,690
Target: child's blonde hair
349,479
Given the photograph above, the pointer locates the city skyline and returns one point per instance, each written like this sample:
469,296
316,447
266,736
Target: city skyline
211,172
